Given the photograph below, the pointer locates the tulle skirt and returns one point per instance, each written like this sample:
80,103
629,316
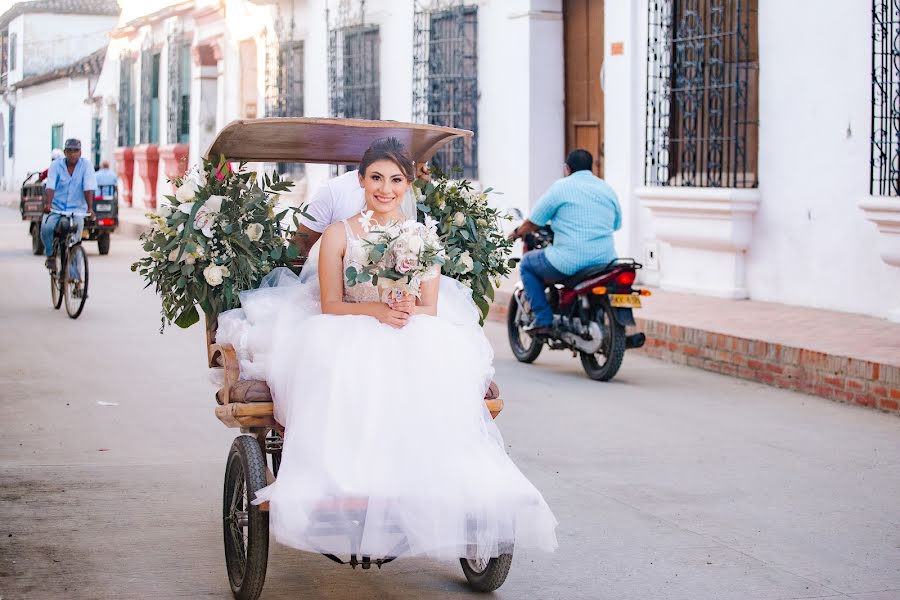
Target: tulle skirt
389,449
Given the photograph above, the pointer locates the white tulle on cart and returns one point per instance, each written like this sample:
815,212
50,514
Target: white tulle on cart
389,449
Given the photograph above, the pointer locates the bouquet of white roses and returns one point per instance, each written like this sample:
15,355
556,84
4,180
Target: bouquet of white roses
396,257
217,236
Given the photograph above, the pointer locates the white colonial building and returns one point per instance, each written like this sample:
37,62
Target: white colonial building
754,155
51,54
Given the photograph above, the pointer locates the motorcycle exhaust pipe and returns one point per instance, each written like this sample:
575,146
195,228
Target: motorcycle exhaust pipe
635,340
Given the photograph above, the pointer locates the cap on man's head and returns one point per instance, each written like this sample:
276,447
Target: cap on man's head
73,144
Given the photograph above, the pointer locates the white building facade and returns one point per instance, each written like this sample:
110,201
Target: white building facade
743,159
51,54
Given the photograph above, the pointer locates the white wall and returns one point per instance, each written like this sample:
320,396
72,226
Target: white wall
38,108
811,243
52,41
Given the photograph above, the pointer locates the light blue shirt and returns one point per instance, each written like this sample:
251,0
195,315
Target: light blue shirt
583,211
68,195
105,177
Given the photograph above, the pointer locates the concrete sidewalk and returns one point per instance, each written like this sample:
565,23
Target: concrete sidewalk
840,356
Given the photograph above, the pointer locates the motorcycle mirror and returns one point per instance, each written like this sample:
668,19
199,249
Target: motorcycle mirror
515,213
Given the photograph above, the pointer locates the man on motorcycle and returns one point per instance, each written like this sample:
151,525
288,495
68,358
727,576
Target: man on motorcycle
584,213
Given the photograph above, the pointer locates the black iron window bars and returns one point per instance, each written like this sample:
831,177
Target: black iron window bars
885,146
702,100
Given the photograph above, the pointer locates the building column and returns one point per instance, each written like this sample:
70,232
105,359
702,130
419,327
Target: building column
125,172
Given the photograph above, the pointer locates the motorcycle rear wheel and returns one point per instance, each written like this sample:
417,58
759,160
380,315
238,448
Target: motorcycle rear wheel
612,350
525,348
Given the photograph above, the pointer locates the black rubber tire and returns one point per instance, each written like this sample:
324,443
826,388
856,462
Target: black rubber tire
74,305
37,246
613,347
493,575
245,560
103,243
56,284
525,354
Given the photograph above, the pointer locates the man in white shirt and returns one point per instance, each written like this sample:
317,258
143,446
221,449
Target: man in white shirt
339,198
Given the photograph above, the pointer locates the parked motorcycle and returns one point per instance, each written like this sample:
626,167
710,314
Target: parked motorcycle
590,312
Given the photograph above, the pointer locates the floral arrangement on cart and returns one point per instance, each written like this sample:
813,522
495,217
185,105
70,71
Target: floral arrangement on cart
219,234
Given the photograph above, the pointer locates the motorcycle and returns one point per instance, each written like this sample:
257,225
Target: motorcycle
591,310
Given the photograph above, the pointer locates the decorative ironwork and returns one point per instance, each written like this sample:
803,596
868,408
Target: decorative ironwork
445,78
702,106
354,72
146,84
284,82
126,100
885,146
179,86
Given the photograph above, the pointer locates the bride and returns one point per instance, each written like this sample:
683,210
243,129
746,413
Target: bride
389,449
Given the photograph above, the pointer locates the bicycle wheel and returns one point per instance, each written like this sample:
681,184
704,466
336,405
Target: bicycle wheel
56,280
75,282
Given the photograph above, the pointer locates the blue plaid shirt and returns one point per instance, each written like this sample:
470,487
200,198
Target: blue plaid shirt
583,211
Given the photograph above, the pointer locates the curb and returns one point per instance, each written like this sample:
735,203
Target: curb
830,376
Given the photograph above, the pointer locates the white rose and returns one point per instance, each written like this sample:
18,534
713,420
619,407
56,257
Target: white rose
416,244
187,191
481,222
165,211
214,274
214,203
459,219
173,255
393,230
466,261
254,231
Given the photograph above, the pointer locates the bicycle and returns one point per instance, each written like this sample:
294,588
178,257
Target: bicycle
69,275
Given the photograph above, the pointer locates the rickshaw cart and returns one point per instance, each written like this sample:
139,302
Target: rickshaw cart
246,404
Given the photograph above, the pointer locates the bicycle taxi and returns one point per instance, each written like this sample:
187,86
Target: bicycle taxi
255,455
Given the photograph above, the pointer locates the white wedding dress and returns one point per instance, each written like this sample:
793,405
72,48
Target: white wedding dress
389,449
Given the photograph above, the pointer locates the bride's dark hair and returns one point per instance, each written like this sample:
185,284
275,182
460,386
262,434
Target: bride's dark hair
388,148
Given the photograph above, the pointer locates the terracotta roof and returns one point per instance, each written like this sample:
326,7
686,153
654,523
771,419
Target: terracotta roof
89,65
62,7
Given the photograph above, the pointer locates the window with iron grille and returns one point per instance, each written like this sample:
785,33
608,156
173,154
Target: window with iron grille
884,178
702,93
126,100
284,89
12,130
95,141
149,97
179,84
445,80
12,50
354,54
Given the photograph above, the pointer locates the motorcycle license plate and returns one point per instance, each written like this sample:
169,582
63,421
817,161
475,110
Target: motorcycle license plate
625,301
103,206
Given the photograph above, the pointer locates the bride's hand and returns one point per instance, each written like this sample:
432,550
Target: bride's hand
406,303
390,316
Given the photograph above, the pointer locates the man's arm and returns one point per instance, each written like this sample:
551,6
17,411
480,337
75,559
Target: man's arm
49,187
89,185
541,214
304,239
89,198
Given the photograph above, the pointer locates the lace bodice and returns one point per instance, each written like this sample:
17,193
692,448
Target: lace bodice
361,292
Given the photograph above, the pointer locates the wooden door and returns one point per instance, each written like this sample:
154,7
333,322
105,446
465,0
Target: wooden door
583,43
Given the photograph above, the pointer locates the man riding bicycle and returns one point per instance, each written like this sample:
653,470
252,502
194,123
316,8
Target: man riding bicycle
71,184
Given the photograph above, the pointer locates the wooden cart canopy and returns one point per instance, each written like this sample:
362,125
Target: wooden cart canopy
330,141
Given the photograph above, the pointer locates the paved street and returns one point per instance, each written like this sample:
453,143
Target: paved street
669,483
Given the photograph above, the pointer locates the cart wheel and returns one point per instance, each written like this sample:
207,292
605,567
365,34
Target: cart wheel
37,246
103,243
246,527
487,576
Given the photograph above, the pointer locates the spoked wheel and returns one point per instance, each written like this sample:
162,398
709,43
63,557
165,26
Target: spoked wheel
525,348
604,364
75,281
246,527
56,281
486,575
